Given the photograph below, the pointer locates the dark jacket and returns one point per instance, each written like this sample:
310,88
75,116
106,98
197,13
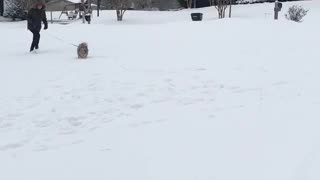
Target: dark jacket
35,17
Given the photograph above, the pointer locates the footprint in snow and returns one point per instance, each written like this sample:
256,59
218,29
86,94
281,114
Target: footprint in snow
137,106
10,146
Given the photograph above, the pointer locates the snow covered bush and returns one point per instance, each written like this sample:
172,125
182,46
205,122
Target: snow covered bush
296,13
15,9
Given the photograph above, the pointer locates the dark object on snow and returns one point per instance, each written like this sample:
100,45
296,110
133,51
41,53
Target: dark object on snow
83,50
36,15
88,18
280,6
277,9
196,16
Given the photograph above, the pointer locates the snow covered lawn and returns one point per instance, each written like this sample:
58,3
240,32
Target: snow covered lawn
163,98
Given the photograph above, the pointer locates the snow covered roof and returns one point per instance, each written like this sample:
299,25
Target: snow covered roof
75,1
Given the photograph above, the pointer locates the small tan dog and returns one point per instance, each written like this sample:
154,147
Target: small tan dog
83,50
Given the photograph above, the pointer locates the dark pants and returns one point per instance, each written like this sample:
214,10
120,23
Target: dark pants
36,39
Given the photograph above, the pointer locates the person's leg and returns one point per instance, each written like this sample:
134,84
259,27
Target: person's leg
37,39
33,41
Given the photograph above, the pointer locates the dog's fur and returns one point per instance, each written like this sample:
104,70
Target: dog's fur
83,50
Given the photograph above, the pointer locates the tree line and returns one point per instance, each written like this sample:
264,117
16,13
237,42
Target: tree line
18,8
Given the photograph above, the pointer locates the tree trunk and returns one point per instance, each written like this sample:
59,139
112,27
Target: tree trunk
1,7
189,4
98,8
120,14
221,12
230,8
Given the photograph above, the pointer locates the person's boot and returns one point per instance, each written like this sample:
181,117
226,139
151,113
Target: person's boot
32,47
37,47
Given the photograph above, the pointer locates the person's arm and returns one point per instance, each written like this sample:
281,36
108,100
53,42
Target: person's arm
44,20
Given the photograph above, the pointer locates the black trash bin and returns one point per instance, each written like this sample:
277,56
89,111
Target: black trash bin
196,16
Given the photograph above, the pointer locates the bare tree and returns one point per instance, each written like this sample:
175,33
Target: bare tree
211,2
189,3
221,6
120,6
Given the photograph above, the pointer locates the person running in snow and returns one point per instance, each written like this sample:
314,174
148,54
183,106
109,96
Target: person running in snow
36,15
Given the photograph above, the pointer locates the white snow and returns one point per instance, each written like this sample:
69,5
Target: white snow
163,98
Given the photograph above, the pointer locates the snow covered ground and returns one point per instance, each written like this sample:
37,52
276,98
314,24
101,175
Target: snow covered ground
163,98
